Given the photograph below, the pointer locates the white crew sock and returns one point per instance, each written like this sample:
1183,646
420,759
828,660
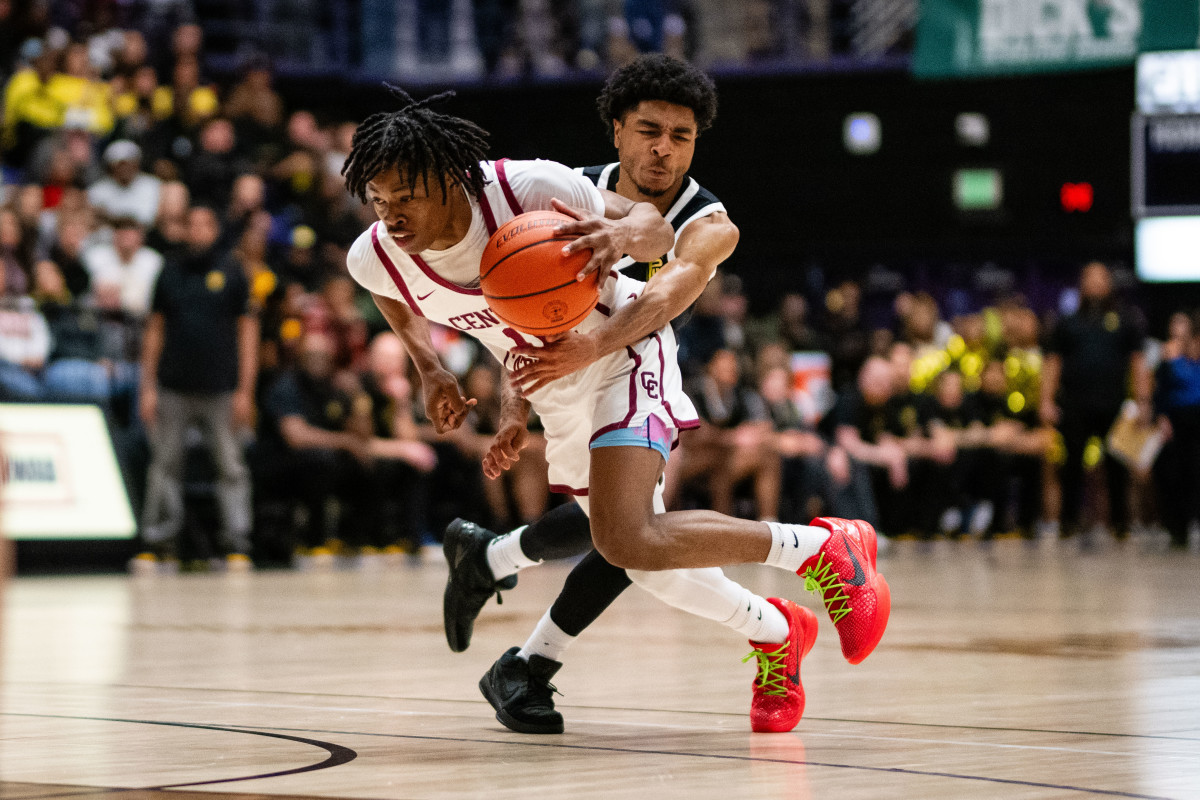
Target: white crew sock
759,621
548,641
505,556
792,545
708,593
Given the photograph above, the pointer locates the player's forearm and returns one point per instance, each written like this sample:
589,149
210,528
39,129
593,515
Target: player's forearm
514,409
413,332
667,296
649,235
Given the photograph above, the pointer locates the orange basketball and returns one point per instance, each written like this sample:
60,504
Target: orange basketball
529,283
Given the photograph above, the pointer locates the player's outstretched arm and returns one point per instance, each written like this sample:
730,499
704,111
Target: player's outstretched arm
445,405
702,246
627,228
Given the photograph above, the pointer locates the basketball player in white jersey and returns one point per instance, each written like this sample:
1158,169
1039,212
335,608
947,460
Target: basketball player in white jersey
610,425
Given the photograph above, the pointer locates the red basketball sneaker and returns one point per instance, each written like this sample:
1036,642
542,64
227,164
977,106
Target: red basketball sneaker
856,596
778,701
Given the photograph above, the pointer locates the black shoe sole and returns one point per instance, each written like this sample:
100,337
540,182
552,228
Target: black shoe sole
458,641
510,722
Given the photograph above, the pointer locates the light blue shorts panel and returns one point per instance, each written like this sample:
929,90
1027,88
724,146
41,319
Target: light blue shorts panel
652,433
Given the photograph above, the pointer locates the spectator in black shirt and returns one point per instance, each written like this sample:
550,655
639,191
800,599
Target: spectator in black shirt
960,463
315,444
735,441
67,253
849,342
199,361
813,470
403,462
866,428
1019,443
1090,358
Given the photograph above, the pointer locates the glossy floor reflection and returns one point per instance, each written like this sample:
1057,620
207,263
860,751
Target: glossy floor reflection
1011,672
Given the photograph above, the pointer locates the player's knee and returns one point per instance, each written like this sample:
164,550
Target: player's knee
625,545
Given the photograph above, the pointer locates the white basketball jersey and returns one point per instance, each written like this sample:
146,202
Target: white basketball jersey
443,285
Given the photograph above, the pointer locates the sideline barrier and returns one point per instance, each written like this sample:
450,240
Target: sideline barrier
59,477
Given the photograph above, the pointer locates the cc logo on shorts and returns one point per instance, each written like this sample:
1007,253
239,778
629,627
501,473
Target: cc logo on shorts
650,384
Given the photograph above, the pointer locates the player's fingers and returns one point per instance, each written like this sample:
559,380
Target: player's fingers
603,273
597,263
563,208
489,467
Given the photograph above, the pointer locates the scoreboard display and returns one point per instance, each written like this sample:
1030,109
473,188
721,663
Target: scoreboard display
1166,166
1166,178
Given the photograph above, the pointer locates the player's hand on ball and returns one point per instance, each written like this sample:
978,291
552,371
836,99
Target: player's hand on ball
445,405
563,354
505,450
604,237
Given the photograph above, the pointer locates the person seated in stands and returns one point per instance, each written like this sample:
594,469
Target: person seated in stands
307,449
75,371
819,479
735,441
960,462
522,493
318,443
70,240
123,272
403,461
126,191
866,428
170,225
1020,445
24,345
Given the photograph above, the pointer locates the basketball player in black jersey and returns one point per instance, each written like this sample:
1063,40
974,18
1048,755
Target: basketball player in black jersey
655,109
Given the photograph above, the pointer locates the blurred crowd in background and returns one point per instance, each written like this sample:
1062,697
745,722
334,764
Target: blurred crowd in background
434,40
123,164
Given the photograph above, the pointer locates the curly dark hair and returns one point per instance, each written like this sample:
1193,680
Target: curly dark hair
419,142
658,77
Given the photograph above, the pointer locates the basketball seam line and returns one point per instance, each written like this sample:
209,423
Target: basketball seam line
547,290
506,256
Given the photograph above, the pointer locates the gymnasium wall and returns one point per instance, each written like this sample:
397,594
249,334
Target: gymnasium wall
777,159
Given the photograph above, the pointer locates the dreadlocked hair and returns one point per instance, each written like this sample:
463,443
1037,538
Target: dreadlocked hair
419,142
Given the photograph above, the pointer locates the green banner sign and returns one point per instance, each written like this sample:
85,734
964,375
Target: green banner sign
963,38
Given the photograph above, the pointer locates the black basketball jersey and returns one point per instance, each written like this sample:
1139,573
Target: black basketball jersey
692,203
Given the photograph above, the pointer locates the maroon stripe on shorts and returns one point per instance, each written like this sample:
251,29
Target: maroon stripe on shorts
616,426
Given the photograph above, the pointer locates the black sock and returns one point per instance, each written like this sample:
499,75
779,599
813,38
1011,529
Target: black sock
562,532
590,589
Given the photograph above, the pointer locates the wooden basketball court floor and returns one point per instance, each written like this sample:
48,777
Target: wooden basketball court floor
1014,672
